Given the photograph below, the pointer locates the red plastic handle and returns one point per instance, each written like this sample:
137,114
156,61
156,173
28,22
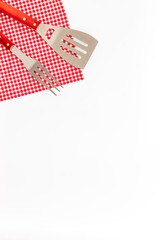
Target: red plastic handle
18,15
5,41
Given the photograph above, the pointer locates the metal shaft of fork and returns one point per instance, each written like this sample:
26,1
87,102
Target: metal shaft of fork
29,63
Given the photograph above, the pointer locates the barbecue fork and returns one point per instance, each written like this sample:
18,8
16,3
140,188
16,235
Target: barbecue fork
73,46
35,68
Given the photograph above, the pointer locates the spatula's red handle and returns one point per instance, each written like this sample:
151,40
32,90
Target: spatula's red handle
18,15
5,41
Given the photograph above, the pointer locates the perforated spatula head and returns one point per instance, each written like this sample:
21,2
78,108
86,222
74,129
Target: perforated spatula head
74,46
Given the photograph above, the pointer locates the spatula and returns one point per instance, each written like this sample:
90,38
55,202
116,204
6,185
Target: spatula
73,46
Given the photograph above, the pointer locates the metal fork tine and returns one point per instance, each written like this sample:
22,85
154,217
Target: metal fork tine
50,75
43,83
43,76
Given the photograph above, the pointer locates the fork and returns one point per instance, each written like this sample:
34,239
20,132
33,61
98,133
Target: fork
73,46
35,68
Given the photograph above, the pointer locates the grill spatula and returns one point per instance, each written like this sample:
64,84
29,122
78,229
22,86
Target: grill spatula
73,46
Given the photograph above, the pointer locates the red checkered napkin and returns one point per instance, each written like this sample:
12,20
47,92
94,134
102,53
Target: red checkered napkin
15,81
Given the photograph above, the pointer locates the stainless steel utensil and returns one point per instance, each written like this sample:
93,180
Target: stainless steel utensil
35,68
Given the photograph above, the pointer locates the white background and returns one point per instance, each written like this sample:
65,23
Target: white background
86,164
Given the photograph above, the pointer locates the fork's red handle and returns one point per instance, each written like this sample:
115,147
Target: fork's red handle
18,15
5,41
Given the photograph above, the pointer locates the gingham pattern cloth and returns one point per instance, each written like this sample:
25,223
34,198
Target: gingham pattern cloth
15,81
